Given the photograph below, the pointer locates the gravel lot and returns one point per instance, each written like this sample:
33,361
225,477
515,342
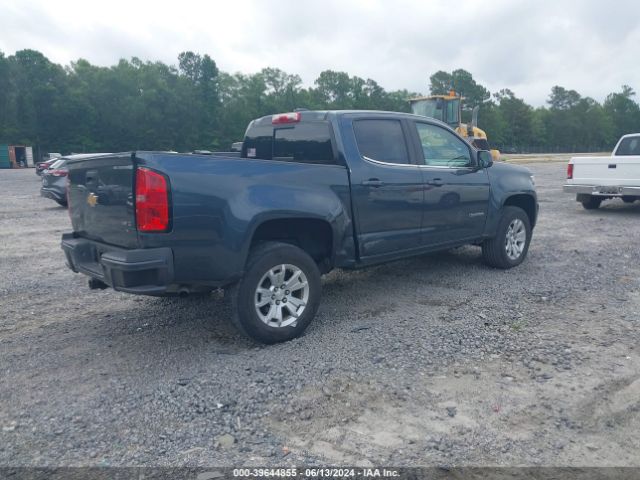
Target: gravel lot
430,361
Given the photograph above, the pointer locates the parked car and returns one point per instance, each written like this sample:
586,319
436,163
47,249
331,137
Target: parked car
54,178
595,179
42,166
54,182
312,191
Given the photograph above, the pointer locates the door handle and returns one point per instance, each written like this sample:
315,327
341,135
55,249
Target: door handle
436,182
373,182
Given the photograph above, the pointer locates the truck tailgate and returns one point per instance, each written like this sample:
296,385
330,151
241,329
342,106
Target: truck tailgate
101,202
622,171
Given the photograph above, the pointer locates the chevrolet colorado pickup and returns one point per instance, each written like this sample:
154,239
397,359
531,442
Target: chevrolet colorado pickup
595,179
308,192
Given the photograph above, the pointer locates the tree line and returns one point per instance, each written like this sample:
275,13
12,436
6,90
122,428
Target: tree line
568,123
142,105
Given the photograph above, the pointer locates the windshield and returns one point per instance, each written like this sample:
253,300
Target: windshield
438,108
428,108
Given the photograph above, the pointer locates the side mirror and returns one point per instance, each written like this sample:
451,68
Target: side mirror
485,160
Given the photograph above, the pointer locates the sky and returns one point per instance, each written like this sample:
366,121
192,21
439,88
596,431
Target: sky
527,46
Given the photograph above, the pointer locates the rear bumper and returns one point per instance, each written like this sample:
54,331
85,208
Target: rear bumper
146,271
53,194
602,190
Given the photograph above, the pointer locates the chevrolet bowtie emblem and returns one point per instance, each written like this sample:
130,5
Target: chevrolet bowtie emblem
92,199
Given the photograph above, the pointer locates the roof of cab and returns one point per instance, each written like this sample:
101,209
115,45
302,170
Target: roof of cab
319,115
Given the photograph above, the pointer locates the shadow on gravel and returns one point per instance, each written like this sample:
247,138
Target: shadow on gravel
201,323
621,209
54,208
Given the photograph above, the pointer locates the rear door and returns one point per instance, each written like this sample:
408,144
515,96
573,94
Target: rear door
456,194
386,187
101,199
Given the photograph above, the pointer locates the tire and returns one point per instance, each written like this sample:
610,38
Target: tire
263,267
628,199
590,202
496,251
61,203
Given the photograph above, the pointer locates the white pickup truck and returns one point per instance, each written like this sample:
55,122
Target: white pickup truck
594,179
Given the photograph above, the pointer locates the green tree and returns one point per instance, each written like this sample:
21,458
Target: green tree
462,82
4,98
624,112
517,117
333,89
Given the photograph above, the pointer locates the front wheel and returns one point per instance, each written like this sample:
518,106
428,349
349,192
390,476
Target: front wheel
510,245
628,199
279,294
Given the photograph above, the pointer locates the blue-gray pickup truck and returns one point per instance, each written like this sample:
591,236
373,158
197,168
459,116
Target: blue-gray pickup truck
309,192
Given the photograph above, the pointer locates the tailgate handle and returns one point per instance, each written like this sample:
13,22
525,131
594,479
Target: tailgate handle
613,165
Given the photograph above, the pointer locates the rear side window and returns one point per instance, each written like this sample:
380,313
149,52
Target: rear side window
308,142
381,140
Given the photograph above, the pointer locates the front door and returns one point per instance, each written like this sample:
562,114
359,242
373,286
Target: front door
386,188
456,191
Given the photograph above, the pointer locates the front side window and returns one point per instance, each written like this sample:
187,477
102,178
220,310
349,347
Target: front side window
441,148
381,140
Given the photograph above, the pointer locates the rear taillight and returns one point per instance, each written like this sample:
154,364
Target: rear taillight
152,201
59,173
570,170
292,117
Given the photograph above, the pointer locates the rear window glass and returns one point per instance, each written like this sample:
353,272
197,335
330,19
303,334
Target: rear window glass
305,143
381,140
629,146
57,164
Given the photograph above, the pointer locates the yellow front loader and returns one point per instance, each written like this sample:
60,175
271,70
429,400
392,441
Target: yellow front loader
448,109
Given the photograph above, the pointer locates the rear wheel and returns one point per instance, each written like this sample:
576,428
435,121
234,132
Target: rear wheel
510,245
279,294
590,202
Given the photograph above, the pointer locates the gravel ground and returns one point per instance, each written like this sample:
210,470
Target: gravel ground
429,361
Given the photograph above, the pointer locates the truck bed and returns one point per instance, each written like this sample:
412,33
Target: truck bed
215,203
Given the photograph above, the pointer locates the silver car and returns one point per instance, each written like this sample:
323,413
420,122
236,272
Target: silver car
54,182
54,178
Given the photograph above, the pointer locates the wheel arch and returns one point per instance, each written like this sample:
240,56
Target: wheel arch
312,234
526,202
